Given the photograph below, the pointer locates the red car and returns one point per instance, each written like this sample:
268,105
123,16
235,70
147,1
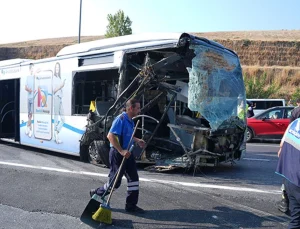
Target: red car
270,124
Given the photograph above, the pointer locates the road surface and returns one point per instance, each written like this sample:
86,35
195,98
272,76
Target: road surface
41,189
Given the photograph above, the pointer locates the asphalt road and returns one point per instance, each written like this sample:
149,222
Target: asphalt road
46,190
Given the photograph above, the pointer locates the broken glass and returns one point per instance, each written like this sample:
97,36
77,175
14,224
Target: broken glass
216,89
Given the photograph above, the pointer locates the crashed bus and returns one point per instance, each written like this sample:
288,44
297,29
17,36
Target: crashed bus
191,91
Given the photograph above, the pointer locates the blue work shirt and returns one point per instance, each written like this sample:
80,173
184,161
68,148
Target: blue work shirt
123,127
289,158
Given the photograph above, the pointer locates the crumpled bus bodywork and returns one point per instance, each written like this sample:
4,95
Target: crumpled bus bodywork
192,105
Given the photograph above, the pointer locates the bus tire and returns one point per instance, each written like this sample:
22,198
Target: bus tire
84,153
102,149
93,155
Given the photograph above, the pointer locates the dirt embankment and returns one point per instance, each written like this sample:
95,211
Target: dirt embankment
266,53
279,60
30,52
38,49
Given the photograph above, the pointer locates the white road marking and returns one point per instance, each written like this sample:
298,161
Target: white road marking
255,159
212,186
176,183
260,145
53,169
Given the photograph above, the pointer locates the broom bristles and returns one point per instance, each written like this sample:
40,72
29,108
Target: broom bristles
103,214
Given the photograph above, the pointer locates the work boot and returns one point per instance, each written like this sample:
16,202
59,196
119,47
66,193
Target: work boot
93,191
283,205
134,209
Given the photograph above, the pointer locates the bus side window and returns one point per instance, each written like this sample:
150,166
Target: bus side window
260,105
274,104
92,85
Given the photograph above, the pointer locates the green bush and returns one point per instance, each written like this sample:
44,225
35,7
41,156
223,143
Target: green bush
246,42
295,96
256,87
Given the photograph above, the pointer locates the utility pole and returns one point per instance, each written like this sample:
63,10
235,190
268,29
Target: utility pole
79,21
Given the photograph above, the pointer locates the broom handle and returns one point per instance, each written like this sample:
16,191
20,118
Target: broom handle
120,168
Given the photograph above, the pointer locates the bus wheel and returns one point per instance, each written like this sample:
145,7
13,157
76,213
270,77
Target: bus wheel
93,155
102,149
84,153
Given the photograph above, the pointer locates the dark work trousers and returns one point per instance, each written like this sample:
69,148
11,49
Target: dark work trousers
129,170
293,193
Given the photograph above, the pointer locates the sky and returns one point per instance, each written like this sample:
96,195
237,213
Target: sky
22,20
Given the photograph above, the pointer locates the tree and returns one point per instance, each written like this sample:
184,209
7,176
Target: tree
118,25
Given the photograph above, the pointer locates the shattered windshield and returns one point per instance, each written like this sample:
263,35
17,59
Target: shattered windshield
216,89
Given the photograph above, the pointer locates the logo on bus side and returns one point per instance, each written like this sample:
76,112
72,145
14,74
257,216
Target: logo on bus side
42,96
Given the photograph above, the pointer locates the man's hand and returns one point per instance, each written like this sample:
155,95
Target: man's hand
125,153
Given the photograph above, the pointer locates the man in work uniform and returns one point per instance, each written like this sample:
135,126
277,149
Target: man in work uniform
119,137
283,205
288,167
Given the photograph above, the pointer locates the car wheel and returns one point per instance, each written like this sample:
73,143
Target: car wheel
249,134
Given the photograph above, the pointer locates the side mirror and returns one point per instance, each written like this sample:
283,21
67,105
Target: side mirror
264,118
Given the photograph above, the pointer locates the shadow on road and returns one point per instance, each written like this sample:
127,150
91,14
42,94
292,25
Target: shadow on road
275,141
220,217
41,151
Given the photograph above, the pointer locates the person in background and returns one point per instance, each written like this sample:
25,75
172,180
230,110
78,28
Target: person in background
290,103
288,167
283,204
250,112
277,115
296,112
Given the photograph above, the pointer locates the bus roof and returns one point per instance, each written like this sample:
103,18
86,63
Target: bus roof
7,63
118,42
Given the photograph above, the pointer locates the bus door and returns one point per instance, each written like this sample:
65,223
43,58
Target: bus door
9,108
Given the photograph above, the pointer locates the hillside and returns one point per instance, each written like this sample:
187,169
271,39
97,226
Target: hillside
277,53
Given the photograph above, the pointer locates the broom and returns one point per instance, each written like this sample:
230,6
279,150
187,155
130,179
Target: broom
103,214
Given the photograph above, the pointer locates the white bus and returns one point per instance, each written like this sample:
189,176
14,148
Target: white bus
191,90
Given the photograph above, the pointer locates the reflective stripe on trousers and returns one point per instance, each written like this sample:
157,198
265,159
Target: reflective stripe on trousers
129,170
